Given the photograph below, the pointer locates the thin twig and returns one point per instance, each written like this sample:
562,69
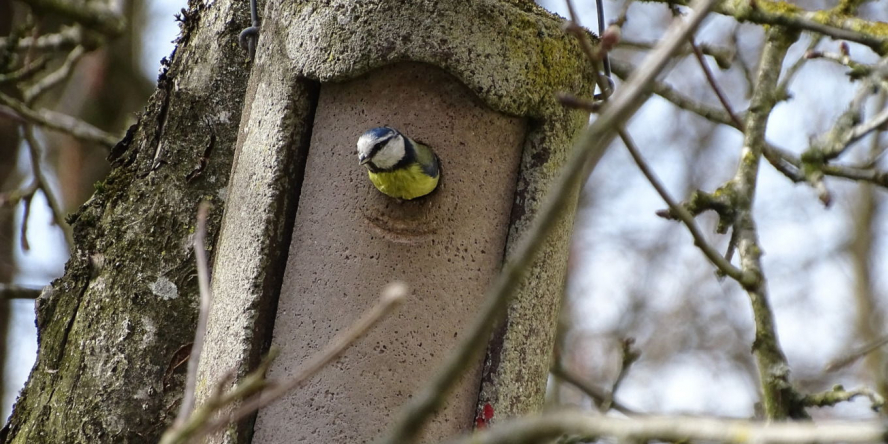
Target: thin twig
713,84
685,216
595,55
846,130
12,198
782,91
587,151
782,160
251,384
839,394
860,131
54,78
25,72
26,217
629,356
744,68
779,156
844,133
392,295
60,122
778,13
712,113
854,355
93,15
58,213
596,394
65,40
723,56
572,101
206,298
858,69
534,429
10,291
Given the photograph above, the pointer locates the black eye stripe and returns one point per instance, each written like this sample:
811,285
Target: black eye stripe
377,147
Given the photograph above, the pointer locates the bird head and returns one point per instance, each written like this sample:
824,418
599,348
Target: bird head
381,148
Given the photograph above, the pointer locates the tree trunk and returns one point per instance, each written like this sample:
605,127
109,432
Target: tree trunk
115,329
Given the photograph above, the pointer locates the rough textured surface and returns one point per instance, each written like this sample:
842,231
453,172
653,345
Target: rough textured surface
255,237
350,240
512,54
113,329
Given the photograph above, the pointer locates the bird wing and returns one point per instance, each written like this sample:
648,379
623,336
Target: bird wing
427,158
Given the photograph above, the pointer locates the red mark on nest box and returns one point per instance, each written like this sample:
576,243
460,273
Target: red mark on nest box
484,417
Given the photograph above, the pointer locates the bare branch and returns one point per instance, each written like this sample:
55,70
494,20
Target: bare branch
744,68
858,70
629,356
778,395
712,83
392,295
65,40
839,394
58,213
723,56
251,384
685,216
206,298
92,15
782,91
789,16
856,354
9,292
847,130
572,101
59,122
782,160
533,429
715,114
597,395
25,72
54,78
201,423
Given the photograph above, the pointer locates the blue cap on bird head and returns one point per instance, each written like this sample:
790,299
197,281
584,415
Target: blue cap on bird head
372,141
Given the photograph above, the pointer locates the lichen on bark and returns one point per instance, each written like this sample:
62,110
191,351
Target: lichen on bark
112,328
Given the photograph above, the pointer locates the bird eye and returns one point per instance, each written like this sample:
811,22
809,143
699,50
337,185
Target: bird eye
377,147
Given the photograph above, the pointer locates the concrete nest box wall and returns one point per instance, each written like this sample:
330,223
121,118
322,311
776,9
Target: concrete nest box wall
307,242
350,240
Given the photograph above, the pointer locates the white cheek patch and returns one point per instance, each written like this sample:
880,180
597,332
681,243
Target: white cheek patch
390,154
365,144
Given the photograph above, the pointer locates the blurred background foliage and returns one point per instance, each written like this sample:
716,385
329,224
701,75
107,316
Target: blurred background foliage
632,274
635,275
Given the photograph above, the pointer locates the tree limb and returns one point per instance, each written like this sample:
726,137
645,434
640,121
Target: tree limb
769,12
779,398
92,15
533,429
59,122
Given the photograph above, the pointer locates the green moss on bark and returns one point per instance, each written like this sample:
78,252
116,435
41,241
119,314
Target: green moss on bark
111,330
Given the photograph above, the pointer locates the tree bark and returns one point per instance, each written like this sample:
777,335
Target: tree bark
115,329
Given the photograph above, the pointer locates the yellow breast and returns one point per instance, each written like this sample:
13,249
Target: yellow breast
406,183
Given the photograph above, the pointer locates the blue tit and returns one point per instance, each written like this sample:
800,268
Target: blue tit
398,166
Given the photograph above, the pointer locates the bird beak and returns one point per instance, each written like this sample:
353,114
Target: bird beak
363,160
